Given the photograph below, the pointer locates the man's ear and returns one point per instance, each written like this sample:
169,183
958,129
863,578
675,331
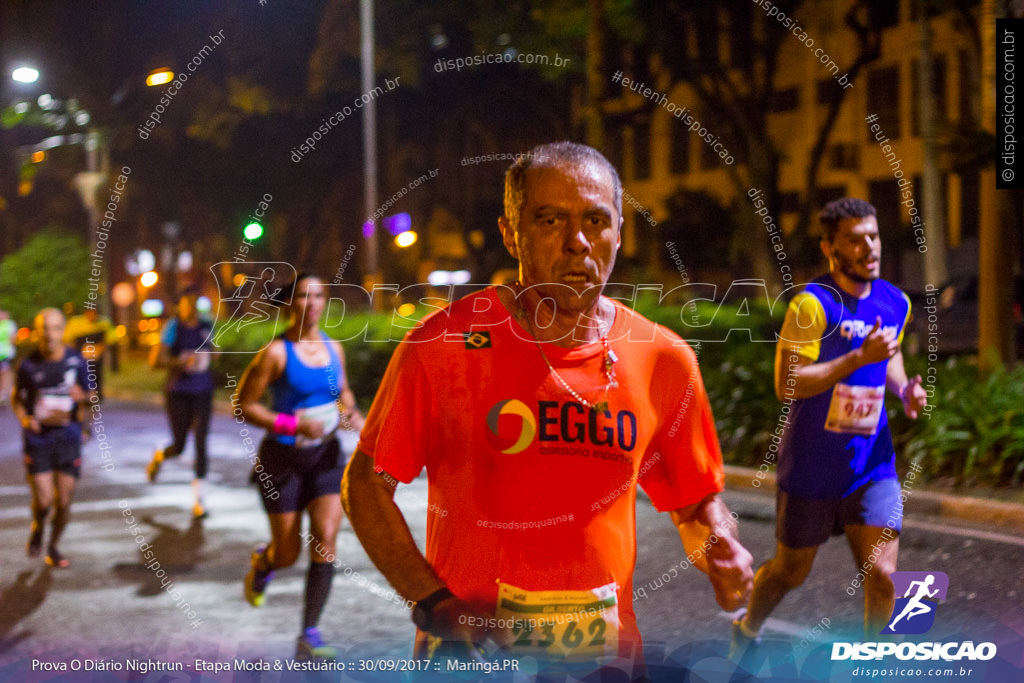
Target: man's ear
826,249
508,237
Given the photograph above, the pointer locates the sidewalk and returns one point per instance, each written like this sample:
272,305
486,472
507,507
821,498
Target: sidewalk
1005,516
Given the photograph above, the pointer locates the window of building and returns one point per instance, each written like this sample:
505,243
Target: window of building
642,151
970,209
885,13
965,81
785,100
679,161
823,195
884,195
707,33
884,99
613,146
828,91
741,35
789,202
844,156
938,92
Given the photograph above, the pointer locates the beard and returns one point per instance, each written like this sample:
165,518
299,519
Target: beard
848,267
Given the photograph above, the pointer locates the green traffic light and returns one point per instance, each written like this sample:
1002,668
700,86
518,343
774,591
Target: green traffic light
253,231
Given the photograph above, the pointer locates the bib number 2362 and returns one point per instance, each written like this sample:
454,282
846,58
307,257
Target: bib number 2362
564,624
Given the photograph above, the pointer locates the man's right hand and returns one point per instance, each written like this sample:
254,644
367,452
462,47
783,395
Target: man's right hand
458,621
879,345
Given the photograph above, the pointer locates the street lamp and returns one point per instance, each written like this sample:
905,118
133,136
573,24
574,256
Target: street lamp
159,77
406,239
25,74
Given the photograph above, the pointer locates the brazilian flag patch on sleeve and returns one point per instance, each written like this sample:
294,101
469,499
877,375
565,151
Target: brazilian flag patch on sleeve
477,340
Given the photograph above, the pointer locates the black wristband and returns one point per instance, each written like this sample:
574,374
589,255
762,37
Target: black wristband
422,611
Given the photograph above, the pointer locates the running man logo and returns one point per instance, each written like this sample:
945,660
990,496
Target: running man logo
501,438
914,613
249,300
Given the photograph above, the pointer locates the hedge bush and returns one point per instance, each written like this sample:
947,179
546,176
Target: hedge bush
973,435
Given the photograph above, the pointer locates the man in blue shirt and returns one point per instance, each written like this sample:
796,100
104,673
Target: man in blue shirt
839,350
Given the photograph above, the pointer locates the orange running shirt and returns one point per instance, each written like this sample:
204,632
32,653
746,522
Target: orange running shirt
526,485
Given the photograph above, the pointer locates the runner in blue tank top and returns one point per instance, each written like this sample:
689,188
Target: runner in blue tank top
186,352
305,372
839,350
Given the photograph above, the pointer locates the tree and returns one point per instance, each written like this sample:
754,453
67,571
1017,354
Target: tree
995,272
51,269
738,94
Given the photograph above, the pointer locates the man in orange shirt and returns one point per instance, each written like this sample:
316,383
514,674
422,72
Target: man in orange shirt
536,408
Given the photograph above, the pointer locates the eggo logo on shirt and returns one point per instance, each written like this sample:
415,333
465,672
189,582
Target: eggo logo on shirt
569,422
850,329
515,440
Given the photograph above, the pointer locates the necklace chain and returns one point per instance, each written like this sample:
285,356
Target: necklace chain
609,359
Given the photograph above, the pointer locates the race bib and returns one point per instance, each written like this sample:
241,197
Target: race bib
855,410
198,362
326,414
563,624
53,405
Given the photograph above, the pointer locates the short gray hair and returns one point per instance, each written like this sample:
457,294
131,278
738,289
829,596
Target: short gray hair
552,155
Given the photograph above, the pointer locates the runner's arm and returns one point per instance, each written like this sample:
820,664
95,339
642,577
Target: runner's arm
368,499
353,418
910,390
18,405
711,541
798,376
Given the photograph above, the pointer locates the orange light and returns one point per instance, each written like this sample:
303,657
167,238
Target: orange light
405,310
120,331
239,279
406,239
142,325
37,157
23,333
24,188
159,77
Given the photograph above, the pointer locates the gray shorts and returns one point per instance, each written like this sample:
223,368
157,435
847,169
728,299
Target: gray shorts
807,522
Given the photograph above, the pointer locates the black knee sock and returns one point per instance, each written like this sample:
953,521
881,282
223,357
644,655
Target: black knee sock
318,586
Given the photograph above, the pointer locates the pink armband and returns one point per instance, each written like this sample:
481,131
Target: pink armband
285,424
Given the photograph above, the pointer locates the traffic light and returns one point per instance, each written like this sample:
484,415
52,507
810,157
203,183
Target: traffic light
253,231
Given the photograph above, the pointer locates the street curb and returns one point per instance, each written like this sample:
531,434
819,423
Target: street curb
1008,516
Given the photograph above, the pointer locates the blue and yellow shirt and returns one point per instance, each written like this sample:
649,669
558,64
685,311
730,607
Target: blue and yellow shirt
838,440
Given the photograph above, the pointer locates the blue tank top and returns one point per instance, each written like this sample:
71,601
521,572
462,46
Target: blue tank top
827,451
301,386
180,339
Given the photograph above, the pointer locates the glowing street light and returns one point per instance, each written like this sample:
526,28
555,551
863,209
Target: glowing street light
406,239
253,231
159,77
25,74
149,278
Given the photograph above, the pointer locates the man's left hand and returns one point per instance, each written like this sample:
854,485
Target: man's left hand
914,397
730,569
